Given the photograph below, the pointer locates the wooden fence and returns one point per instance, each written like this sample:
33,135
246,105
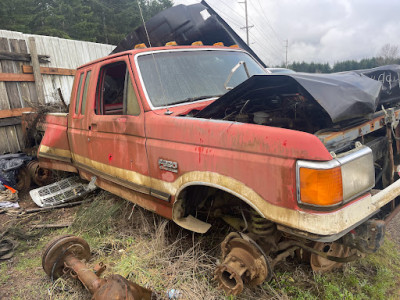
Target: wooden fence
34,69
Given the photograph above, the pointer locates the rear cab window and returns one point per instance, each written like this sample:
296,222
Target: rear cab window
81,94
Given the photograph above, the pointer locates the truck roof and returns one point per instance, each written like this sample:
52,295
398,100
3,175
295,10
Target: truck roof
141,50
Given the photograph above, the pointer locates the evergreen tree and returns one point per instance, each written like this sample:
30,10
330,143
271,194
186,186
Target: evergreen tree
103,21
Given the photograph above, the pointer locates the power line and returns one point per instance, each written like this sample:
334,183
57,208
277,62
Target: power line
264,51
230,8
267,47
268,41
268,22
264,44
268,58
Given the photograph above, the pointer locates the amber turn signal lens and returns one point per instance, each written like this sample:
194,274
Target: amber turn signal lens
321,187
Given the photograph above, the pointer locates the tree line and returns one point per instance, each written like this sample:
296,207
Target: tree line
388,54
102,21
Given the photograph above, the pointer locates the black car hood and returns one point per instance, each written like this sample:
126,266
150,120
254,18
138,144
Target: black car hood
389,76
185,24
343,96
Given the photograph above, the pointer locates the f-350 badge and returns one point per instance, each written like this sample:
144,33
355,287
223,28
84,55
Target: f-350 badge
168,165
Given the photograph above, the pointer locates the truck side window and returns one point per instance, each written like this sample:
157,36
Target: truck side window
78,94
84,96
110,89
115,94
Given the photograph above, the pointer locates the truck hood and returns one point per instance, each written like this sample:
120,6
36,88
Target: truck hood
342,96
185,24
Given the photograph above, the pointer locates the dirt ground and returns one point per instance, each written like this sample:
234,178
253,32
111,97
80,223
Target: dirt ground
16,277
24,273
393,230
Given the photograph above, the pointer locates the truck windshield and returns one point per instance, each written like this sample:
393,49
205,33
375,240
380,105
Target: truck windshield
183,76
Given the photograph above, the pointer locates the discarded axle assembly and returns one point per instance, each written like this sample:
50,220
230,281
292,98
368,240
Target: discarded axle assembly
66,254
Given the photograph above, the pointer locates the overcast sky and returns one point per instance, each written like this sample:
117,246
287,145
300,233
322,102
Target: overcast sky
317,30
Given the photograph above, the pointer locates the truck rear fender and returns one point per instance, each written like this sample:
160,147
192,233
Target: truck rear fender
54,151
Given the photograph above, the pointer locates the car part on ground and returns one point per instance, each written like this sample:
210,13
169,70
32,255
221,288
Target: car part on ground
66,254
249,259
243,263
40,176
322,264
62,191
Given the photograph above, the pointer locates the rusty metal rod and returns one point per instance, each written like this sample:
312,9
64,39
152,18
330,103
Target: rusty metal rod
322,254
89,279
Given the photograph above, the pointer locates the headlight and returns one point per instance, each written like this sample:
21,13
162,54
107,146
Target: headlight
336,181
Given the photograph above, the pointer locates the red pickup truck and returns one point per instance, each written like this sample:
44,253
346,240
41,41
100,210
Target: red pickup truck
201,133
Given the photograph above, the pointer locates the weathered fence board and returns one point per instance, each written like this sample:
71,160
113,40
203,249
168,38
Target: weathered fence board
58,60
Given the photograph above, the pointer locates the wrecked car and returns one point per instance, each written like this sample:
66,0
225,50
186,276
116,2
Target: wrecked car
299,164
196,133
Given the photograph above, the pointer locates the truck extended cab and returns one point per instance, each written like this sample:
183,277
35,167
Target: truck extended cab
198,133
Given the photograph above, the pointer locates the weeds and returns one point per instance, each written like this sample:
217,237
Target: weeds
158,255
97,218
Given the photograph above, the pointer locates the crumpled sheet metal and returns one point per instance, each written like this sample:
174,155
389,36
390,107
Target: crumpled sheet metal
341,96
185,24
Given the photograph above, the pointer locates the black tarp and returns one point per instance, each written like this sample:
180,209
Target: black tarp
343,96
389,77
185,24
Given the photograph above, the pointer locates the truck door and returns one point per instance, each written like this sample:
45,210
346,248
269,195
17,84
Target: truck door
77,118
116,138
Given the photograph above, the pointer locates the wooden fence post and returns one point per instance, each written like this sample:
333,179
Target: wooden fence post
36,70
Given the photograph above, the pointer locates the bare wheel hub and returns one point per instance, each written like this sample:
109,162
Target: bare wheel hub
322,264
243,263
40,176
58,249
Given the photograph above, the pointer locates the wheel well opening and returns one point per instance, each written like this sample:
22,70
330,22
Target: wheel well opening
211,205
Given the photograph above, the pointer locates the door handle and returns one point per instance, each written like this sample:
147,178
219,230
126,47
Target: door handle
93,126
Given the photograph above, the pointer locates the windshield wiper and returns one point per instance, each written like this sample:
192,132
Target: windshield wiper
234,69
192,99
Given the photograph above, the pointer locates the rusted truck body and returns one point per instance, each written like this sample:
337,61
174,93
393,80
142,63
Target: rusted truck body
198,133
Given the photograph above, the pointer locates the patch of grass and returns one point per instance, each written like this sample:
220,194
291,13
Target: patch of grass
3,273
156,254
97,218
28,262
373,277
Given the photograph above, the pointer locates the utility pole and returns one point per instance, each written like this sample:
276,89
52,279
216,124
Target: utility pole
287,46
247,27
